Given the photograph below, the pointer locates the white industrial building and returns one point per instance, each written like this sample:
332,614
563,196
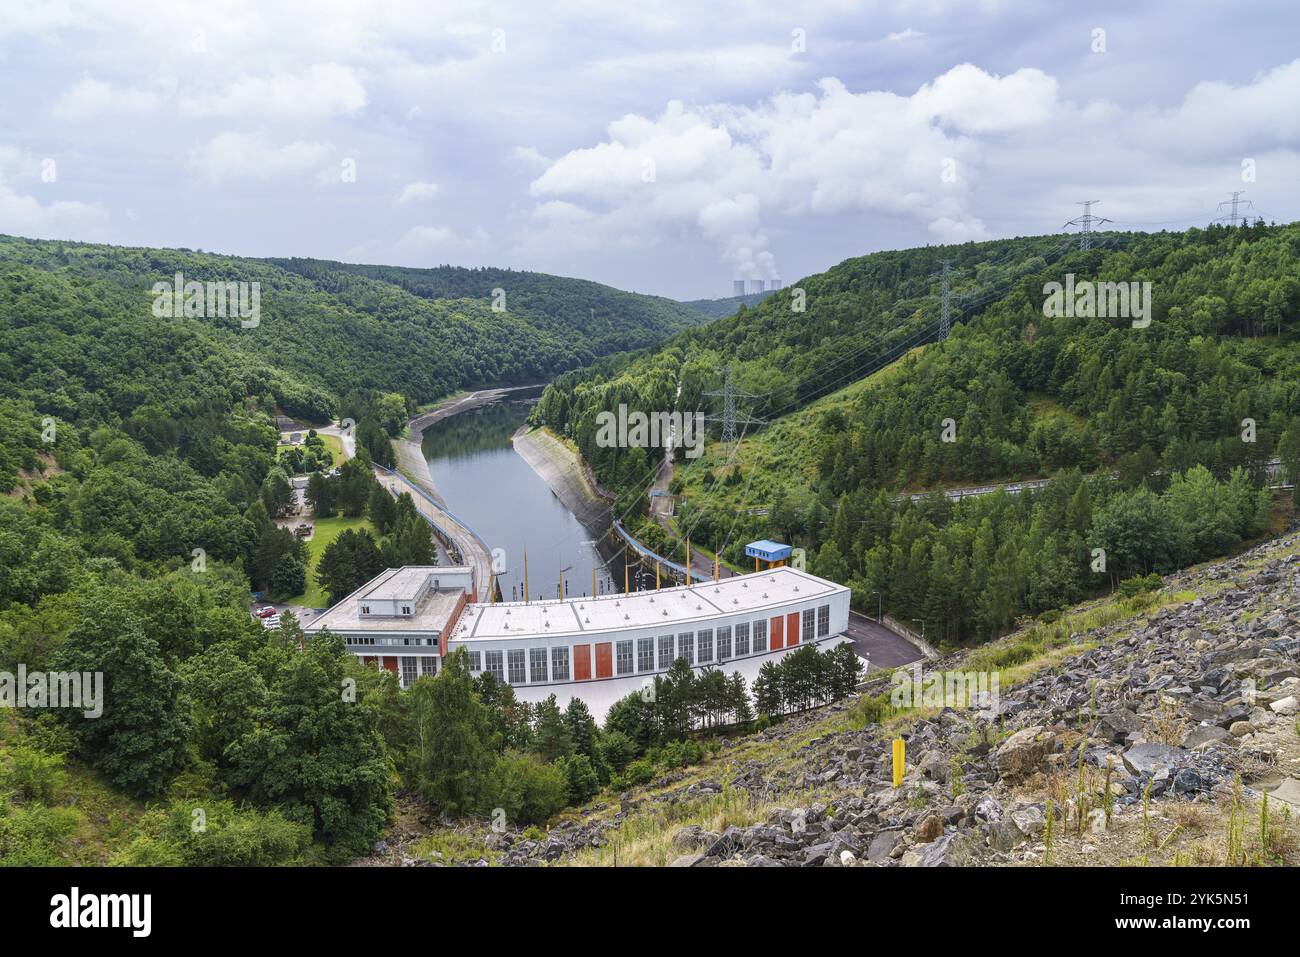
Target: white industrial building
408,619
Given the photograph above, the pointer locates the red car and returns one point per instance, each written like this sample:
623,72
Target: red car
266,612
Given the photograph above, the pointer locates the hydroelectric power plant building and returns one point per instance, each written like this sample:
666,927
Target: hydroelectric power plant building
408,620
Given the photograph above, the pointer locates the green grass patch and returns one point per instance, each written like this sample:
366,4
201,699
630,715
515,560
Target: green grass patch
335,445
332,442
783,455
452,847
326,531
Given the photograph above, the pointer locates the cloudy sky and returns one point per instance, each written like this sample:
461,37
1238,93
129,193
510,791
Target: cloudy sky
666,147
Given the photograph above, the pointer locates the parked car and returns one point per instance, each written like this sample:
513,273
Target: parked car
266,612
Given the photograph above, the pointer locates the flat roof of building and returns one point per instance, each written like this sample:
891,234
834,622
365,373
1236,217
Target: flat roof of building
670,608
430,614
405,582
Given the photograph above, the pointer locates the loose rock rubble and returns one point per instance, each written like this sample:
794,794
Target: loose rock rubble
1222,673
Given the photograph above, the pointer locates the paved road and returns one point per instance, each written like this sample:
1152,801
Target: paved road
661,503
346,438
1273,467
880,646
472,549
702,565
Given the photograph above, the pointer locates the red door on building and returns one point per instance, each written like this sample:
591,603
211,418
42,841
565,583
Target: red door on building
792,629
390,662
776,630
604,660
582,662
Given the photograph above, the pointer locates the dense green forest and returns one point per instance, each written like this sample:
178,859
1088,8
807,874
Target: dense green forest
79,328
721,308
469,745
589,318
139,483
1159,435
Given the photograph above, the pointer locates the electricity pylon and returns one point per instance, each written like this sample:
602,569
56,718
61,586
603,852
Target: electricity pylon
1234,203
1086,222
730,417
945,303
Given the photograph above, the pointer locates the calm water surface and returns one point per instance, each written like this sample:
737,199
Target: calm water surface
485,482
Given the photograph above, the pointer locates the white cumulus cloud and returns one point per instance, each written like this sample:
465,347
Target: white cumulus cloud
322,90
59,219
89,97
251,156
725,171
417,191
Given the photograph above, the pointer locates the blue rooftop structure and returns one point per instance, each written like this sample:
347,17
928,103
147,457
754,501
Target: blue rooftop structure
768,551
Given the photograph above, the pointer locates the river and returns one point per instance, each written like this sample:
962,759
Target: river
484,481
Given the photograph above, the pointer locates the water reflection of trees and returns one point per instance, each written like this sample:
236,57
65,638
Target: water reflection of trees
483,429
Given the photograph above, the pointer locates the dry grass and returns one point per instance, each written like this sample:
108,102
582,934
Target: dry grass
1239,831
1167,725
645,837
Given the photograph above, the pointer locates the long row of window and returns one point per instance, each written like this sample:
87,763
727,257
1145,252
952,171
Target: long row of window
368,640
702,647
495,663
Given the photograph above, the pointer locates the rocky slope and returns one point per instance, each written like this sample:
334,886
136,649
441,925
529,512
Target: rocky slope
1185,715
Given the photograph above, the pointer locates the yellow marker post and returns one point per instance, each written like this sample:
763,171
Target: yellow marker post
626,588
900,760
656,575
525,578
593,581
688,562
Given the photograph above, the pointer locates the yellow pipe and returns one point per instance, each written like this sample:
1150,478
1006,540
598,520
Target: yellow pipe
525,578
593,581
688,561
626,588
656,576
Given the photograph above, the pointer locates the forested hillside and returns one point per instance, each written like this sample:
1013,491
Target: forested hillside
803,342
721,308
1144,426
590,318
324,327
139,484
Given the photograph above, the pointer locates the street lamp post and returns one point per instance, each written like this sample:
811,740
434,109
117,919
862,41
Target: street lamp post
921,622
880,602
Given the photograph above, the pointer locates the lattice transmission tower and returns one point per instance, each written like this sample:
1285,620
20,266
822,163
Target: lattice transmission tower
1234,205
730,417
1086,222
945,300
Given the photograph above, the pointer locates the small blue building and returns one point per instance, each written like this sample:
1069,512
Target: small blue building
774,553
